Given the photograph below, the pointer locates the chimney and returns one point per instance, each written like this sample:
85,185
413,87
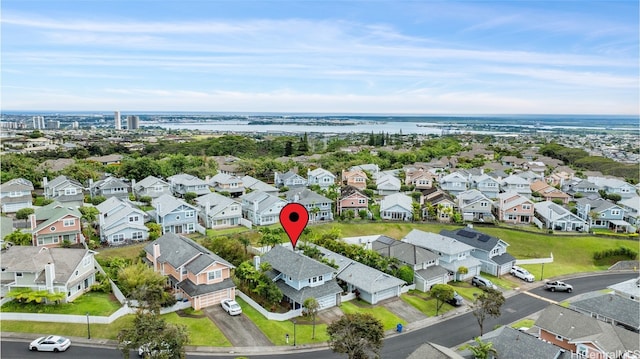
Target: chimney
256,262
156,255
207,210
32,221
49,276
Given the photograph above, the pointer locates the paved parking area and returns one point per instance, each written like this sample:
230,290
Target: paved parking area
239,329
403,309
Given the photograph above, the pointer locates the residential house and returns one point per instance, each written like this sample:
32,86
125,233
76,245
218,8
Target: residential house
491,251
537,167
121,222
614,186
434,351
355,178
300,277
420,179
254,184
218,211
175,215
438,204
554,217
549,193
628,289
602,213
113,159
513,162
530,176
474,206
396,207
452,253
388,184
195,273
584,336
351,199
487,185
71,271
514,208
109,187
369,284
610,308
425,264
513,343
262,208
516,184
16,195
64,190
318,206
289,179
631,208
152,187
371,168
183,183
54,224
229,165
320,177
578,187
560,176
454,183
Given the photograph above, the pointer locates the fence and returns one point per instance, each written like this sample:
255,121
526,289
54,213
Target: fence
267,314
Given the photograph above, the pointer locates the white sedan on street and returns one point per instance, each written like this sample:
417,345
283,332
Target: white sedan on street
51,343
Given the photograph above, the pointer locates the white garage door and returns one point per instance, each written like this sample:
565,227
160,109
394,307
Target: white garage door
327,301
387,293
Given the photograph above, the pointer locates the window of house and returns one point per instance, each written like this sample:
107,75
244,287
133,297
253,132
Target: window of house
177,217
559,337
52,228
134,218
362,201
234,208
48,240
615,212
157,188
18,274
581,350
117,237
213,275
190,214
526,206
190,227
184,271
315,279
320,278
69,191
70,222
136,235
484,204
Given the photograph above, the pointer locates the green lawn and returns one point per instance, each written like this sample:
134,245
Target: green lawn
388,319
103,331
202,331
94,303
466,290
424,303
276,331
527,323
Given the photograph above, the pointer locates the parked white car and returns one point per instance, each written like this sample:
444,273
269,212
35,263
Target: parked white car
51,343
522,274
231,306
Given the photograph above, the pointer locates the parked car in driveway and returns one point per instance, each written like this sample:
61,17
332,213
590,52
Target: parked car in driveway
231,306
483,283
51,343
457,300
522,274
558,286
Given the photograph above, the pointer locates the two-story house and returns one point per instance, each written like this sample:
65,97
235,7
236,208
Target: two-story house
71,271
289,179
355,178
183,183
614,186
300,277
578,187
549,193
152,187
109,187
351,199
223,182
396,207
438,204
320,177
631,208
509,342
475,206
584,336
55,224
121,222
491,251
452,254
218,211
517,184
195,273
514,208
454,183
602,213
419,178
388,184
16,195
610,308
254,184
175,215
425,264
262,208
318,206
554,217
487,185
64,190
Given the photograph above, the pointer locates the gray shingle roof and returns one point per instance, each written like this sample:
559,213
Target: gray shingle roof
194,290
306,197
33,259
181,251
432,272
295,265
612,306
328,288
511,343
404,251
472,237
17,184
436,242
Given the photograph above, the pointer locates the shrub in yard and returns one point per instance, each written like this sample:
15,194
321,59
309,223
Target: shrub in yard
620,251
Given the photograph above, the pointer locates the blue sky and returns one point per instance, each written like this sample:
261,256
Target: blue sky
396,57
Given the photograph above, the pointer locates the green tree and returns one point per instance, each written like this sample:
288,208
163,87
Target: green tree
357,335
462,270
157,338
487,304
441,293
311,307
24,213
481,350
405,273
19,239
155,230
140,282
270,237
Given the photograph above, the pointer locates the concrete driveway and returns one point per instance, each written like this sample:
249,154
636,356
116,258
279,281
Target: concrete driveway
239,329
403,309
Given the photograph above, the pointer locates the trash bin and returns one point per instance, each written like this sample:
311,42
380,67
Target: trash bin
399,327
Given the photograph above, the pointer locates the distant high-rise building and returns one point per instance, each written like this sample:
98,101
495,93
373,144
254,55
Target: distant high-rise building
133,122
38,122
53,125
116,118
75,125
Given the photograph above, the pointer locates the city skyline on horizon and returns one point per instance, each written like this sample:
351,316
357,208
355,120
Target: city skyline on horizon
368,57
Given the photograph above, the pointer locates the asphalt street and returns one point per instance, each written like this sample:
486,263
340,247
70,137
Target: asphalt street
450,333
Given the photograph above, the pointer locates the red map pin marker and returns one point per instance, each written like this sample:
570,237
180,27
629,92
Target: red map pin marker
294,218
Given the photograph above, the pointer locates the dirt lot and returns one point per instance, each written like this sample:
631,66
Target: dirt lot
239,329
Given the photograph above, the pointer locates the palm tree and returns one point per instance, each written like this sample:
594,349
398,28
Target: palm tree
481,350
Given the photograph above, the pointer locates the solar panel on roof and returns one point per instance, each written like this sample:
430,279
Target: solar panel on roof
483,238
466,234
